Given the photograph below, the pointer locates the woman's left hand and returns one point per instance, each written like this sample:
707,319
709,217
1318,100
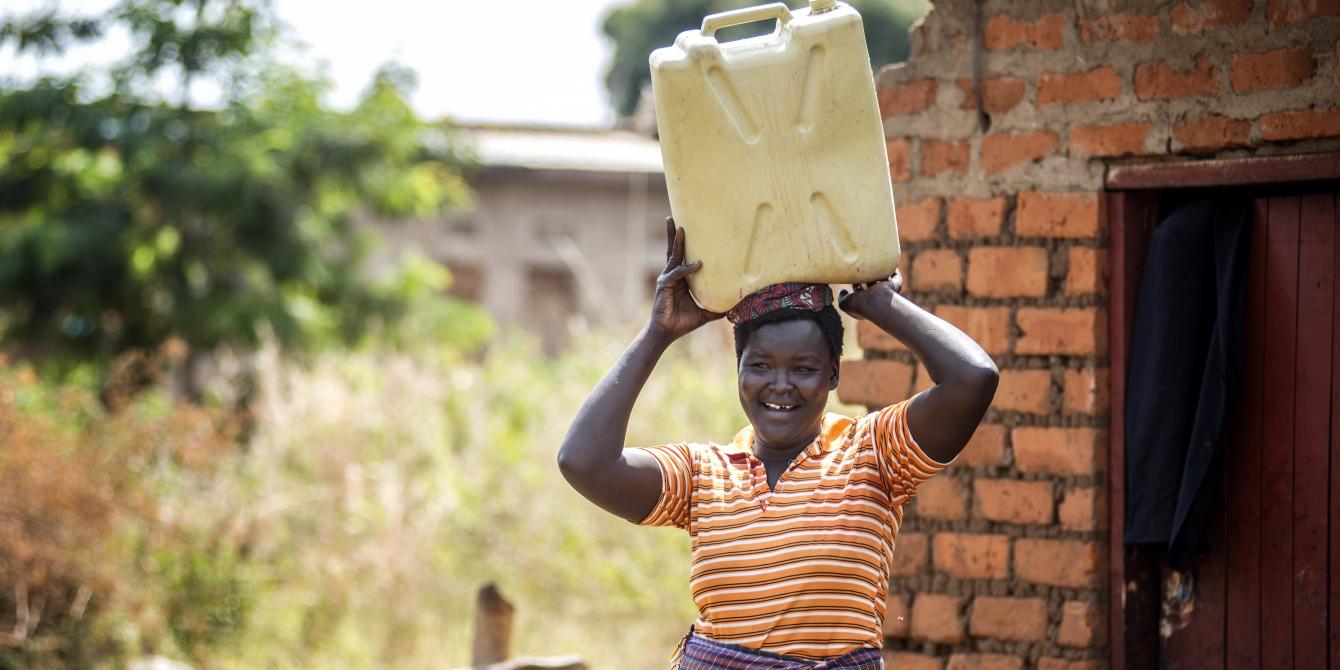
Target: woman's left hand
862,298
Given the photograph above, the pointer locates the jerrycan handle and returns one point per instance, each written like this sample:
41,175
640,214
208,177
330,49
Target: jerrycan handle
714,22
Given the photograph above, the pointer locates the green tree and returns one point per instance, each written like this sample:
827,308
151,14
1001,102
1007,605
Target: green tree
643,25
130,215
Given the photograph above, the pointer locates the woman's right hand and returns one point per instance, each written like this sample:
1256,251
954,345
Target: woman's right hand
673,312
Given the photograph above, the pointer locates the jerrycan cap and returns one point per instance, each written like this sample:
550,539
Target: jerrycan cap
821,6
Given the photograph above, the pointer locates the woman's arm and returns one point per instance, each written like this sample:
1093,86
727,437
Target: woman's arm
592,458
945,416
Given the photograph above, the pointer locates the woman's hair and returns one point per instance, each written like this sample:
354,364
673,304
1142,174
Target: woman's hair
827,319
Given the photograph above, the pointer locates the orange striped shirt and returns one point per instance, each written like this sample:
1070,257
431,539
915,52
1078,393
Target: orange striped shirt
801,570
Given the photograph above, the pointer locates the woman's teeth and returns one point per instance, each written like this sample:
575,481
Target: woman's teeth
782,408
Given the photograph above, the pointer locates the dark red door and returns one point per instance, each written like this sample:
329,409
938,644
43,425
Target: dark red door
1269,595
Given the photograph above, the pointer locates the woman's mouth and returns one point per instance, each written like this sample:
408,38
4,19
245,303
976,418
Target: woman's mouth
780,407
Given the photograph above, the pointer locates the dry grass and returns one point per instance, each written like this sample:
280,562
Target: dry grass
78,487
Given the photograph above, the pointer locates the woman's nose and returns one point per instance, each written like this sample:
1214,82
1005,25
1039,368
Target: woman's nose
780,380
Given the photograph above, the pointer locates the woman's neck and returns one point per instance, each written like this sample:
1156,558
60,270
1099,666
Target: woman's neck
770,454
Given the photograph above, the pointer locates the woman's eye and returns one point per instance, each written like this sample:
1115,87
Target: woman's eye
804,371
759,366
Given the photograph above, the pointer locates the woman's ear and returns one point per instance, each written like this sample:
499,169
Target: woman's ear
833,379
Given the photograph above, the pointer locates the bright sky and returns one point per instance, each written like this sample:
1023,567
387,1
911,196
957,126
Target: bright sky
482,60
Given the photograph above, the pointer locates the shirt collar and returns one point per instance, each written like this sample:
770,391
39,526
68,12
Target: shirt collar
831,433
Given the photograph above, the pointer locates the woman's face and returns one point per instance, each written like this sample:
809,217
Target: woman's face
785,374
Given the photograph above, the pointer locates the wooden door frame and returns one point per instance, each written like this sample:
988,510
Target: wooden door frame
1132,199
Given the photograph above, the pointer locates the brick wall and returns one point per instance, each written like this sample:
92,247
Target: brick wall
1002,561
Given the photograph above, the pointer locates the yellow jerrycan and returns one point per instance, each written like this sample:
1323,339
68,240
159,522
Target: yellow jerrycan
774,152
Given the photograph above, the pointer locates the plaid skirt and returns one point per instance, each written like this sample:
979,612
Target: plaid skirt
696,652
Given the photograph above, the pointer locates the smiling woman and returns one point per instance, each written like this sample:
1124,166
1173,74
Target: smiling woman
788,362
793,522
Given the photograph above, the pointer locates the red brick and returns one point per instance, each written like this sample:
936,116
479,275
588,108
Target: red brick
1086,271
1056,88
937,270
906,660
1019,619
943,498
999,94
1042,35
1082,625
1300,125
1282,12
911,554
918,221
897,616
1078,331
1089,664
873,338
1082,509
1013,501
1119,28
1059,215
986,447
1007,272
984,662
971,556
1212,133
1126,139
1025,391
900,162
975,217
1069,563
1283,68
874,383
1063,664
1162,80
1191,18
1002,151
944,156
937,618
1058,451
987,326
913,97
1085,391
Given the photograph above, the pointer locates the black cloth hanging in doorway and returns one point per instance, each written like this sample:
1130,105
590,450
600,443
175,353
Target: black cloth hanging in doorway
1185,362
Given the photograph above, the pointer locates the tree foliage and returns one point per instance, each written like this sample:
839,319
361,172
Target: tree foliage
130,216
643,25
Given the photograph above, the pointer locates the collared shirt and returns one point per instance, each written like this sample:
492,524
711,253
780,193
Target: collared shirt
803,569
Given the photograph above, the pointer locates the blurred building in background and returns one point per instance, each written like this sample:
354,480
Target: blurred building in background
567,225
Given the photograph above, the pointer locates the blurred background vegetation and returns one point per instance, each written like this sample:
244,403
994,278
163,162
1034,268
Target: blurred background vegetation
226,441
376,489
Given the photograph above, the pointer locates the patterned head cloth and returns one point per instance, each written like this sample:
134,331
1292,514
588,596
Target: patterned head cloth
797,295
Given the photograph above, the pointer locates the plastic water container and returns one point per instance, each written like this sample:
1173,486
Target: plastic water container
774,152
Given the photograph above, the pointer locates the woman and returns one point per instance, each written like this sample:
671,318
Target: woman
793,523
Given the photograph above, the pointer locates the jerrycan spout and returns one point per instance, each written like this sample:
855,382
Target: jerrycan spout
821,6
